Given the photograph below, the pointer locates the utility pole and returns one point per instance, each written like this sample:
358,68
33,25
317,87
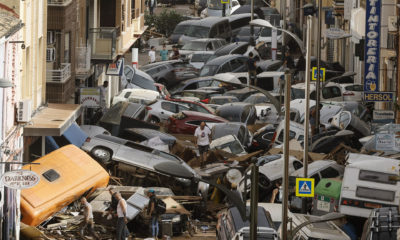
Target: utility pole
223,9
285,184
251,40
254,201
398,69
317,88
307,110
283,12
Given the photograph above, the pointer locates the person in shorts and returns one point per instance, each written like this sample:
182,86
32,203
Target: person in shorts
203,139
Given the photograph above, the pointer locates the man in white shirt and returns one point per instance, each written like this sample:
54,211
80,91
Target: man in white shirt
103,92
122,230
88,219
203,139
152,55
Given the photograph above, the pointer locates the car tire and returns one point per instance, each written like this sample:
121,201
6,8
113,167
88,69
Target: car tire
101,154
154,120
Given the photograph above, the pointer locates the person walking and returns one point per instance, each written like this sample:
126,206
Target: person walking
164,53
122,230
88,219
203,139
103,91
151,4
152,211
175,55
152,55
252,68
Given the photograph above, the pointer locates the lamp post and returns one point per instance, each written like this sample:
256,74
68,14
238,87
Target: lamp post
317,88
264,23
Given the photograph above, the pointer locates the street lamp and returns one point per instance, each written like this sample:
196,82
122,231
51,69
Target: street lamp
264,23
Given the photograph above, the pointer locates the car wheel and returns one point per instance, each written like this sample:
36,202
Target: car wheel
101,154
154,120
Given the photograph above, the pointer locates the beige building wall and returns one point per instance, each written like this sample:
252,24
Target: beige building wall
33,14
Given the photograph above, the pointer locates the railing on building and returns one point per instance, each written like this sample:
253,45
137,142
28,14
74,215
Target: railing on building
58,3
83,55
59,75
103,43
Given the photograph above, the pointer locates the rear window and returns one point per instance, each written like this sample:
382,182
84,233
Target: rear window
180,29
373,193
200,57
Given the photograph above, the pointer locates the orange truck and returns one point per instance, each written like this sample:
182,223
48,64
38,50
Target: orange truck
66,174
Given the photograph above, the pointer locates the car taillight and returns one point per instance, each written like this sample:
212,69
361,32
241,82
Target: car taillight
255,143
348,94
273,138
88,139
148,108
206,101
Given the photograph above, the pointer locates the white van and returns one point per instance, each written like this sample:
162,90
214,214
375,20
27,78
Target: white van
366,185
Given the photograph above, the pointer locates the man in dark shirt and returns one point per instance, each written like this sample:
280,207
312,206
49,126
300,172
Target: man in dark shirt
152,211
252,68
175,55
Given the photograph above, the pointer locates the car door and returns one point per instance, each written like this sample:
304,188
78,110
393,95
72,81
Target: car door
127,150
167,109
225,68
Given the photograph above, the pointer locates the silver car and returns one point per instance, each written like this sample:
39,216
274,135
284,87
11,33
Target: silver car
162,110
105,148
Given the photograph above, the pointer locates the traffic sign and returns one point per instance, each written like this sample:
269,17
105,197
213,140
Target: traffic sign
224,1
321,74
304,187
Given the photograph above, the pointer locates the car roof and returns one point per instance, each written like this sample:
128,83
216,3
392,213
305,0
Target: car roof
235,17
187,22
313,167
205,40
203,115
209,21
229,48
262,220
223,97
222,59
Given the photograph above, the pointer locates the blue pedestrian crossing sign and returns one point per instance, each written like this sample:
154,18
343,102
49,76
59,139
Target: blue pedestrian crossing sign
314,75
304,187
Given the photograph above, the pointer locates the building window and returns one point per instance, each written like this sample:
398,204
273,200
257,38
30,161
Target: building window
67,47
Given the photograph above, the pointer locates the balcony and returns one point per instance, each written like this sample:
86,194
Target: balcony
59,75
58,3
103,43
83,55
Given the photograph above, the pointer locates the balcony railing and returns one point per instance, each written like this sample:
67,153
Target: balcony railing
59,75
82,60
58,3
103,42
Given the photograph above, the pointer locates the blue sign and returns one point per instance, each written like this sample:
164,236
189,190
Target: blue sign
305,187
372,45
379,96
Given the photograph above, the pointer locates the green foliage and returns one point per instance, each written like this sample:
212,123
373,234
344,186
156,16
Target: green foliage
164,22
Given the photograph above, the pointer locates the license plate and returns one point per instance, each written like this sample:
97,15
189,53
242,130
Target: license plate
323,206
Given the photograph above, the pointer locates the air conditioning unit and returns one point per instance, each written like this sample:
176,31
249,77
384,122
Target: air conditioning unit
24,110
50,37
392,23
50,55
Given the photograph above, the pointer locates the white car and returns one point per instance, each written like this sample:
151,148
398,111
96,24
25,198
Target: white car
330,92
352,92
162,110
215,7
230,144
266,36
143,96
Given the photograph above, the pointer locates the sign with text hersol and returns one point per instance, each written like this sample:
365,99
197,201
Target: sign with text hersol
20,179
90,97
379,96
372,45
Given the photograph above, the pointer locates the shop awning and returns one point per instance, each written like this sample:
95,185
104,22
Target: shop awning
53,120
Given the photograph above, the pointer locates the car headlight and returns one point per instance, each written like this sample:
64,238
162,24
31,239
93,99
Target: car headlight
176,219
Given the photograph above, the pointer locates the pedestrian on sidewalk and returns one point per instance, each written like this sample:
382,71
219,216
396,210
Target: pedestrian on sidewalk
151,4
152,54
152,211
103,98
203,139
164,53
252,68
88,219
122,230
